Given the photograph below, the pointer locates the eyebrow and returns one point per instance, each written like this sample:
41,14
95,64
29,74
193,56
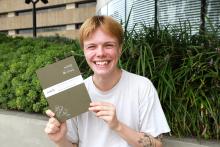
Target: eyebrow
110,42
103,43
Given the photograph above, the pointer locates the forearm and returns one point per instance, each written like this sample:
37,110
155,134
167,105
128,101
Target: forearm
73,145
137,139
65,143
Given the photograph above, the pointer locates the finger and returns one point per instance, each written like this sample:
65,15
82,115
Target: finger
51,128
91,109
101,104
54,121
63,126
105,113
101,108
50,113
106,118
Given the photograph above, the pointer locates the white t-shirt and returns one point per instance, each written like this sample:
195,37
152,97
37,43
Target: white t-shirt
137,105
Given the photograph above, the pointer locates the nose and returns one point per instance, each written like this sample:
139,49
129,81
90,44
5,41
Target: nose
100,51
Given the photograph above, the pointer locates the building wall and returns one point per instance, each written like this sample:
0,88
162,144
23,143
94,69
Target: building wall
169,12
62,17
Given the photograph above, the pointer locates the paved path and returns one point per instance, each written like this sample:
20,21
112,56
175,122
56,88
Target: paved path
19,129
23,130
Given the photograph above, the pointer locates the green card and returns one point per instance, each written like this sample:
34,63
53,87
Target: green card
64,88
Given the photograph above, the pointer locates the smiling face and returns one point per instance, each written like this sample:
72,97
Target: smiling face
102,52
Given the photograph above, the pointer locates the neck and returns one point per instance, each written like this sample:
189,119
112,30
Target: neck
105,83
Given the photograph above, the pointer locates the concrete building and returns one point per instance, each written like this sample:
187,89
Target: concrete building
62,17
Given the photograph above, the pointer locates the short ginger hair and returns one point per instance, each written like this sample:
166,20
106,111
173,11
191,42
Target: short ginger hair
106,23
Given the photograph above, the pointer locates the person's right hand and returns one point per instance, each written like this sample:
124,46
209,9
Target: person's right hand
55,130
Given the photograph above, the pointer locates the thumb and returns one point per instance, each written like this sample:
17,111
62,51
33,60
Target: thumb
63,128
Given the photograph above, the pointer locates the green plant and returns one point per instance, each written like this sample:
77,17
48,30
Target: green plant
21,57
185,70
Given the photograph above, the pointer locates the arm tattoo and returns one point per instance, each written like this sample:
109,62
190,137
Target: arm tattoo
149,141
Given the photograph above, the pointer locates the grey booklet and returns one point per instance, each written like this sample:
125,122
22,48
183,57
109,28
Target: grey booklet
64,88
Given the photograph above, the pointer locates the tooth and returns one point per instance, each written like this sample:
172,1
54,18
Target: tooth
101,63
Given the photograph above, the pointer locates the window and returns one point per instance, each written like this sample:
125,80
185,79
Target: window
25,31
4,32
78,25
86,4
174,11
43,29
52,28
51,9
3,15
42,10
213,14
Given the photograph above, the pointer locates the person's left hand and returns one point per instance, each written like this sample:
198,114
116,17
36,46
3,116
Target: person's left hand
107,112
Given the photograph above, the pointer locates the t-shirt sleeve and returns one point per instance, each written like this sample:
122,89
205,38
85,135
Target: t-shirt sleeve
72,133
152,118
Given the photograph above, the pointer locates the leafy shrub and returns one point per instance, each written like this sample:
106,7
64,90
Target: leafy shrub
21,57
185,69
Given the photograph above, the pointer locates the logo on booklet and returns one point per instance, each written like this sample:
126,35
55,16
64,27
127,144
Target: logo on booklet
68,69
61,111
50,91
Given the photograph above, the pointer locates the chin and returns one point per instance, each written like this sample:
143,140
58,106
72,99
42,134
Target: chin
102,72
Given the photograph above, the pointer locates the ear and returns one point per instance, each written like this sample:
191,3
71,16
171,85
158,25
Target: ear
120,50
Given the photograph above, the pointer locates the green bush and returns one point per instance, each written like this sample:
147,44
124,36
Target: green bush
20,58
185,69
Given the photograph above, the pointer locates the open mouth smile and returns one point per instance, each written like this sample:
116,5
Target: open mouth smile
101,62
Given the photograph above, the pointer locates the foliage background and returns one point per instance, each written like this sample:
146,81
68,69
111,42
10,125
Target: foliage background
183,67
20,58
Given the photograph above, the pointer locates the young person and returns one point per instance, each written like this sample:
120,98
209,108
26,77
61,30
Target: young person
125,109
